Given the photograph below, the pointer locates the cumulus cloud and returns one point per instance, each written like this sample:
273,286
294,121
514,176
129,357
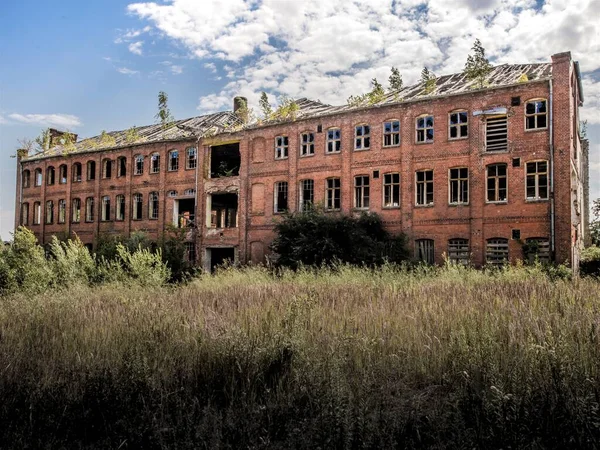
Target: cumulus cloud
591,93
136,47
126,71
47,120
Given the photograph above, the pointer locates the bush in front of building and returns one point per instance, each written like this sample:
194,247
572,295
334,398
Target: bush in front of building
590,261
317,238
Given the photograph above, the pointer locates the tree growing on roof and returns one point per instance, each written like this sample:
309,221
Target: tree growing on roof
428,79
287,110
164,115
265,106
477,67
395,80
374,96
131,135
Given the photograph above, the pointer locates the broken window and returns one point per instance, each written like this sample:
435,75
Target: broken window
424,191
37,181
105,208
223,213
121,166
281,147
155,163
537,180
37,213
77,172
281,197
333,194
307,194
459,186
172,193
25,213
391,190
89,209
538,249
49,212
458,125
26,177
362,137
424,250
137,205
424,129
62,174
189,192
391,133
334,140
496,183
139,165
191,158
458,251
120,207
496,133
153,205
173,160
76,211
106,168
50,176
307,144
536,115
62,211
91,170
496,251
361,192
184,212
225,160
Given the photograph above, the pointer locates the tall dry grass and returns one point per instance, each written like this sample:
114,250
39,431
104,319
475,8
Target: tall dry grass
346,358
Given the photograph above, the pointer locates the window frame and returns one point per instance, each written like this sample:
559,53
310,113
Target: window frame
153,205
485,138
459,181
154,163
454,256
62,211
120,199
362,137
302,204
306,146
425,128
134,203
535,115
488,242
276,191
90,174
38,177
138,165
24,217
385,185
49,208
362,191
26,181
458,125
105,213
418,250
333,190
170,166
188,158
50,179
425,183
496,189
37,213
391,133
76,172
283,148
106,168
89,210
121,165
61,168
333,141
76,210
536,176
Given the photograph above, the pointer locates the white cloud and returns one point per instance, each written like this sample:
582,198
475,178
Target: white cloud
176,70
211,66
136,47
3,120
46,120
126,71
132,34
591,97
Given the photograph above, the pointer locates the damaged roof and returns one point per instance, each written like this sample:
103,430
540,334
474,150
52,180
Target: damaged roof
178,130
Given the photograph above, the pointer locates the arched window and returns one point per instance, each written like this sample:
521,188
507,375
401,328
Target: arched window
137,204
139,165
25,214
50,174
153,205
155,163
121,166
76,211
458,251
173,160
191,159
105,208
37,213
496,251
120,207
106,168
425,250
62,174
76,172
37,181
89,209
49,212
26,178
91,170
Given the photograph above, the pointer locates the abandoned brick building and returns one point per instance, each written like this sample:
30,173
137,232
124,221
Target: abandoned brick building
474,174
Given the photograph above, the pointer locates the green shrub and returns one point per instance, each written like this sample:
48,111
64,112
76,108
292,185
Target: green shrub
71,262
590,261
143,265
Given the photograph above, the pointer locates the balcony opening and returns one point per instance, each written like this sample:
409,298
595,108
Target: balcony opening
219,257
223,210
225,160
184,213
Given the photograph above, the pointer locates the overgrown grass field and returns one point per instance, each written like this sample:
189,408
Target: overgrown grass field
344,358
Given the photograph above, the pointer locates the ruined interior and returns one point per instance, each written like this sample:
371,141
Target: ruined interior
184,213
225,160
223,212
219,256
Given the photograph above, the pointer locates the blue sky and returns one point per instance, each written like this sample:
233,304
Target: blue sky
93,66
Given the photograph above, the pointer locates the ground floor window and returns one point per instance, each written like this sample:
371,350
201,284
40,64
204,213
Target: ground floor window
496,251
458,251
424,250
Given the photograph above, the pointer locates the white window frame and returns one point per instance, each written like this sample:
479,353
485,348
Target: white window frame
155,163
458,125
191,158
362,192
535,114
496,188
536,177
307,144
391,187
424,129
334,141
282,144
391,133
460,180
364,137
330,193
153,205
425,182
173,167
138,165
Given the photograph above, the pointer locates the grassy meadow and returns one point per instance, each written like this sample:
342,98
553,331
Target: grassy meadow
347,358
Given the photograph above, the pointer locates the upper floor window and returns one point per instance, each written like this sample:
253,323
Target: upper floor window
391,190
281,147
26,178
37,213
25,213
536,115
424,191
425,250
189,192
76,172
362,137
91,170
155,163
459,186
307,144
62,211
49,212
120,207
172,193
361,192
62,174
496,251
50,176
137,207
537,180
496,183
106,168
391,133
191,159
458,251
105,208
139,165
496,133
121,166
333,194
424,128
334,140
173,160
458,124
76,211
89,209
153,205
307,194
37,181
280,197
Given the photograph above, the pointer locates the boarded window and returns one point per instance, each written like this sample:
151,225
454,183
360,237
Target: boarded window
496,251
458,251
496,133
424,250
537,249
258,198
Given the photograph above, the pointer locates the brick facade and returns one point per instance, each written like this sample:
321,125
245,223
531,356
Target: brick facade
477,221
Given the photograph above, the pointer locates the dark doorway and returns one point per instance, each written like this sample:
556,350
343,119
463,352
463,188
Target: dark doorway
220,257
225,160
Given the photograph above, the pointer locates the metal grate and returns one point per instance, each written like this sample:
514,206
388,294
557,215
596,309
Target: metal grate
496,133
496,252
458,251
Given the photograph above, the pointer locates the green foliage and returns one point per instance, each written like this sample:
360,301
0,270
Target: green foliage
374,96
71,262
428,79
265,106
132,136
143,265
395,80
287,110
590,261
316,238
164,116
595,223
43,140
174,253
477,67
106,140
